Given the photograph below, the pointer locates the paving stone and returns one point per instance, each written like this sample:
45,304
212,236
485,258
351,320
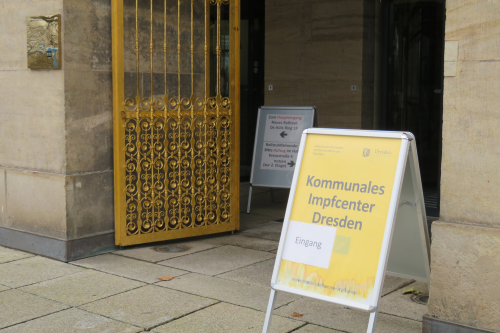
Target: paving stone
129,268
249,221
7,255
246,242
219,260
401,305
268,230
81,288
347,320
274,210
149,253
245,186
222,318
72,320
258,274
17,306
147,306
263,200
252,296
315,329
27,271
392,283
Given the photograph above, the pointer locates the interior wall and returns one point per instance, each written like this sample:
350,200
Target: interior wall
315,53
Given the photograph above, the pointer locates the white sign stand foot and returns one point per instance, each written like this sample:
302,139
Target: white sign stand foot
269,312
249,199
371,323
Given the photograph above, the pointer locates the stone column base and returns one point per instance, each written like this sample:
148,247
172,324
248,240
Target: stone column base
433,325
64,250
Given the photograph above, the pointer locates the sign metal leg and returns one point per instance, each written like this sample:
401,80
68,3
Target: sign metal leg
249,199
272,194
269,313
371,323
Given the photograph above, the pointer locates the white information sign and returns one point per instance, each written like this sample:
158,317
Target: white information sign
281,141
277,141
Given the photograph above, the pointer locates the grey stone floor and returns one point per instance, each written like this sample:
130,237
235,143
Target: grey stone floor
220,284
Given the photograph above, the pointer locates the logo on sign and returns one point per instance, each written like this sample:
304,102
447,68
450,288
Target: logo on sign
366,152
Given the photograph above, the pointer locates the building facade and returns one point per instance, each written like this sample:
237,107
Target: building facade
56,126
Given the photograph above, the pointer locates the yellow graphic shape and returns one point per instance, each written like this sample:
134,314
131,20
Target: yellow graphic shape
341,244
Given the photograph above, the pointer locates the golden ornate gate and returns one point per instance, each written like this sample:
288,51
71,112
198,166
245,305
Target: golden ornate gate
176,118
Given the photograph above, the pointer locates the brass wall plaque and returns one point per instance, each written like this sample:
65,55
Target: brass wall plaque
44,42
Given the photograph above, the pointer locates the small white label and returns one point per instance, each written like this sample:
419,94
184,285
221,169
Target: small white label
309,244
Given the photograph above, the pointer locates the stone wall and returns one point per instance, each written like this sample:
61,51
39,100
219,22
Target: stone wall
56,180
32,135
465,253
315,50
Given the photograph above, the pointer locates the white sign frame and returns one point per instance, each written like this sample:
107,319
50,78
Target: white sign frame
407,157
273,178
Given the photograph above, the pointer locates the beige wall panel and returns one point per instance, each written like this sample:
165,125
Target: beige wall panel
272,4
13,33
464,282
32,118
337,20
284,61
3,202
36,203
294,92
334,60
330,120
89,204
288,24
334,97
471,154
475,24
314,53
89,121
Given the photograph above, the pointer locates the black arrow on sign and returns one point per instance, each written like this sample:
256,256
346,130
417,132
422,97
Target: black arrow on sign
291,164
283,134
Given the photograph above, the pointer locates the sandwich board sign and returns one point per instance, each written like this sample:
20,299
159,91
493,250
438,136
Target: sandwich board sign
277,140
355,212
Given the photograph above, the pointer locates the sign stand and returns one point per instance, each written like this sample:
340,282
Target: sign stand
401,226
277,140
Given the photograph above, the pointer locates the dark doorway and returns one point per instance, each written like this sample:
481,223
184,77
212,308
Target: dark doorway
252,77
414,33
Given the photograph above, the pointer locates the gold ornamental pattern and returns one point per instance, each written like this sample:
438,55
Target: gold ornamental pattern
177,150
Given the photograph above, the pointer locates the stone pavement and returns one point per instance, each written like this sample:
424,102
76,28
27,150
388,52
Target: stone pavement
220,284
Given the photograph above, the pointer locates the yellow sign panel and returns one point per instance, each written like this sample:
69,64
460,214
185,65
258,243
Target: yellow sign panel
338,220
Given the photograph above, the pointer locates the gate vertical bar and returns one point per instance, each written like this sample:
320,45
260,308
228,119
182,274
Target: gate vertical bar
234,94
206,107
118,108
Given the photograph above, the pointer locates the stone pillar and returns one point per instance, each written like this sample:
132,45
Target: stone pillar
56,161
465,288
